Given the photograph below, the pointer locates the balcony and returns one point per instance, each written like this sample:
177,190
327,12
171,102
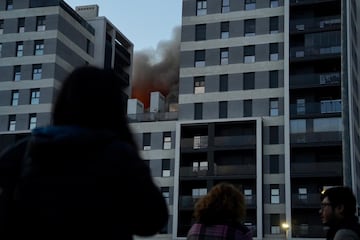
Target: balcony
311,200
152,117
299,53
311,2
195,143
187,201
235,141
309,25
318,169
315,80
323,107
308,231
316,137
245,171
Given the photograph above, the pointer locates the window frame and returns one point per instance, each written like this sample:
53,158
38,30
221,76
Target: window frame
35,96
39,47
15,95
224,30
199,60
12,123
37,72
199,84
21,25
224,56
200,32
201,7
249,27
32,121
17,73
19,49
40,23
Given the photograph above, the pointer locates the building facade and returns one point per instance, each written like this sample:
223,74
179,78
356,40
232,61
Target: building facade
41,42
268,100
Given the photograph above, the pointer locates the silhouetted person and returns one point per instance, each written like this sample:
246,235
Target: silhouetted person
338,208
219,215
83,177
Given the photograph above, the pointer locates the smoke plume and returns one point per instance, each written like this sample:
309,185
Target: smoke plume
157,70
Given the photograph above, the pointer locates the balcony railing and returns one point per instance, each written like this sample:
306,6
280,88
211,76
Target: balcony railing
220,170
315,137
316,169
152,117
293,2
301,52
312,80
311,200
196,142
328,106
308,231
316,24
235,141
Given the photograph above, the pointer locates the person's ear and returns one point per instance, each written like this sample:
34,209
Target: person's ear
339,209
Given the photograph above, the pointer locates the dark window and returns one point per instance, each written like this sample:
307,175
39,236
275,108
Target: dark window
200,58
40,23
274,24
223,83
247,108
223,111
249,27
201,7
146,141
200,32
274,79
198,111
39,47
249,54
9,5
274,51
199,84
274,163
165,168
274,134
224,30
250,4
249,80
225,6
224,56
1,26
37,71
17,73
21,25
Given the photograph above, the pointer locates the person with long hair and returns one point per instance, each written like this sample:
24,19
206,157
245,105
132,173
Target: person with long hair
219,215
82,176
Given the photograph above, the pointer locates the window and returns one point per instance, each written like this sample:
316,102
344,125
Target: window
274,79
275,194
200,142
165,168
166,194
224,56
330,106
9,5
300,106
198,111
303,194
200,58
19,49
15,98
248,195
274,25
17,73
249,80
225,6
249,26
274,107
224,30
250,4
274,134
88,44
223,85
35,96
274,3
249,54
274,223
297,126
327,125
223,110
274,163
274,51
200,32
1,26
32,121
37,71
21,25
199,85
39,47
201,7
12,123
147,141
0,49
167,140
40,23
199,192
200,166
247,108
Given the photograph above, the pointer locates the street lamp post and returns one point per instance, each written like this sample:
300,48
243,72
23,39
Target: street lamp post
286,227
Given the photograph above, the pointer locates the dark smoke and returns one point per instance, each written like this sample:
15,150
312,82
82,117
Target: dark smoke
157,70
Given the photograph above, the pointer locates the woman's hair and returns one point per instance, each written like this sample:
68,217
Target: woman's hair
341,196
92,97
223,204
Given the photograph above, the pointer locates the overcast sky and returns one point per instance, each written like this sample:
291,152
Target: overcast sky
144,22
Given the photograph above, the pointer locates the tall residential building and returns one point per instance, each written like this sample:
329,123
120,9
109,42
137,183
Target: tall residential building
41,42
269,101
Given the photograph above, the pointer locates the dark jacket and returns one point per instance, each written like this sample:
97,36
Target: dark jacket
349,228
201,231
82,184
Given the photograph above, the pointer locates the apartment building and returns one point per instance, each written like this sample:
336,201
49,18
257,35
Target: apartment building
268,100
41,42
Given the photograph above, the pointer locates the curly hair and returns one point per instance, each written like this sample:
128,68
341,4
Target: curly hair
223,204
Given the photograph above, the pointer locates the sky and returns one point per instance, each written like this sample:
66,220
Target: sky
144,22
